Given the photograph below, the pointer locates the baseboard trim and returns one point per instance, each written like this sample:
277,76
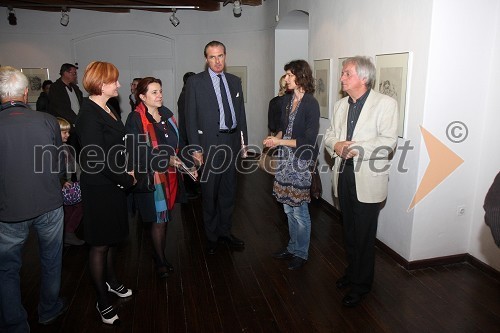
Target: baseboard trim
424,263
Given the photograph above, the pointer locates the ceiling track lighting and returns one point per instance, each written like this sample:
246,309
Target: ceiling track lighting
12,16
237,8
64,17
173,19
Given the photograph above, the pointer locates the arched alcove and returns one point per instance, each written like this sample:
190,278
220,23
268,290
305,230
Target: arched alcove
135,54
291,41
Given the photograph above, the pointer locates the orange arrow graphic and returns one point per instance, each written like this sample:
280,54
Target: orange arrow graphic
442,162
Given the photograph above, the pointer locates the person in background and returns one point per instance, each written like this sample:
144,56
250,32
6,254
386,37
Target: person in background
192,187
296,136
492,209
216,125
362,135
104,184
275,107
29,200
131,98
155,144
42,103
65,99
73,214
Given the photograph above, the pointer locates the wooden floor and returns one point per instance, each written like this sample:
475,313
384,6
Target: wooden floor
248,291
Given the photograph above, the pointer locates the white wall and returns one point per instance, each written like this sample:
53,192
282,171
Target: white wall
451,42
454,73
40,41
463,71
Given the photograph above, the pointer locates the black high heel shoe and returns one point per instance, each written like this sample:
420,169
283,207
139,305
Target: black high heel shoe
162,267
109,315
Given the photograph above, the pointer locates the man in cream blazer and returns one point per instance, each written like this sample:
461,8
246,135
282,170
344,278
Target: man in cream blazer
362,135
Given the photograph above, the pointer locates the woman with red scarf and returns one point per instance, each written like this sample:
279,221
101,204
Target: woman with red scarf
153,144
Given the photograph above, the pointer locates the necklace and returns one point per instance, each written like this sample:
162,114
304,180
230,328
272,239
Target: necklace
105,108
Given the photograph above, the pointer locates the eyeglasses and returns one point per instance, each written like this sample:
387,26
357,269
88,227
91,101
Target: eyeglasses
72,73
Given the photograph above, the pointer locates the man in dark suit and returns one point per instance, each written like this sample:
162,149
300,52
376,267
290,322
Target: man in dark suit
216,125
65,99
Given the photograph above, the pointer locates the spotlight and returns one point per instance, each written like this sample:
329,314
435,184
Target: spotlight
64,17
173,19
12,17
237,8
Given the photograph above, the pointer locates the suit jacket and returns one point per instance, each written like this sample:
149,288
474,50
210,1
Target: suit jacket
98,131
202,111
376,136
59,103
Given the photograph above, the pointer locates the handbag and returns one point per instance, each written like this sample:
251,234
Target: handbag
145,182
268,160
72,194
316,187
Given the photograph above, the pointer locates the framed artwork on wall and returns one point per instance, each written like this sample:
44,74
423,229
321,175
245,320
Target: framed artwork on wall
322,70
241,72
340,93
35,76
392,80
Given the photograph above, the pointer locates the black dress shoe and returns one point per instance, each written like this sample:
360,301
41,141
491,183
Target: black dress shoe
232,241
343,282
283,254
352,299
212,248
296,263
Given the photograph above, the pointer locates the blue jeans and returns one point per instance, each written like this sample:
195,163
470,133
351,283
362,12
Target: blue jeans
49,229
299,227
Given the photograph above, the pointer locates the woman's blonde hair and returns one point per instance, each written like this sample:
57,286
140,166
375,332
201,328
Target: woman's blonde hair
63,124
282,84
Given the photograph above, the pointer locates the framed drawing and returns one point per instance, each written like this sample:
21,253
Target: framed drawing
35,76
392,80
241,72
322,72
340,93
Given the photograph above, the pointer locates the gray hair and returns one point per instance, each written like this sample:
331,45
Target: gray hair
13,83
364,68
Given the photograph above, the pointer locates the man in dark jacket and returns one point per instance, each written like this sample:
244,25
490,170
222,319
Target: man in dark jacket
65,97
30,196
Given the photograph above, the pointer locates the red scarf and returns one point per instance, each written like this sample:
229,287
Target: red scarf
168,181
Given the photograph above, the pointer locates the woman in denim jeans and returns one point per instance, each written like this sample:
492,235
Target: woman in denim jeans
296,139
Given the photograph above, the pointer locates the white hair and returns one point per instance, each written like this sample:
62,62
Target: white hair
13,83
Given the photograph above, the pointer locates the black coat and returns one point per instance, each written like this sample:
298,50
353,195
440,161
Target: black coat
59,102
103,178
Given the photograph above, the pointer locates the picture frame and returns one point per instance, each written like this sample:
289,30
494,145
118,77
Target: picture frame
340,94
322,76
35,76
241,72
392,80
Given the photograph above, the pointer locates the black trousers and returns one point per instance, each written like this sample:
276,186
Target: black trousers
360,228
218,186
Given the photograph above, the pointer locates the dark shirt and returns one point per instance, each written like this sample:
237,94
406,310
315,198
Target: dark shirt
492,209
354,112
42,103
29,178
274,113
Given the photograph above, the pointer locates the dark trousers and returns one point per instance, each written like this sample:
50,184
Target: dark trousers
218,186
360,229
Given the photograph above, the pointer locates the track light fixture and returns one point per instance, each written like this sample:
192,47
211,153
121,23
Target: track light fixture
64,17
12,16
173,19
237,8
